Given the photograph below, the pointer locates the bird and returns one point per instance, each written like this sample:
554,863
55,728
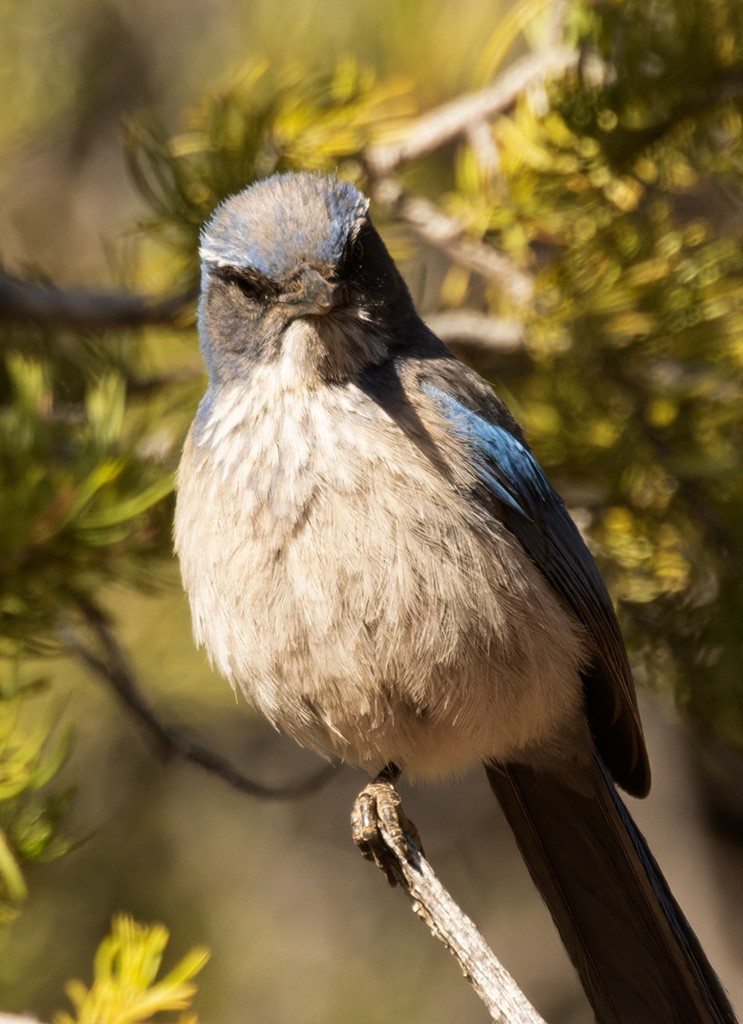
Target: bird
374,557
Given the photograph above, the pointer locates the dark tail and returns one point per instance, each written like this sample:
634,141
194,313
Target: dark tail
637,957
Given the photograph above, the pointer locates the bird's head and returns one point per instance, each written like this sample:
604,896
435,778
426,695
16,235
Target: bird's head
292,268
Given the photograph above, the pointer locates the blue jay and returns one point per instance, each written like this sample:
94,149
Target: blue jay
375,558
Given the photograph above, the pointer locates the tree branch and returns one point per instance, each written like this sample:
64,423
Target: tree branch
454,119
449,235
505,1002
464,116
112,666
466,329
43,304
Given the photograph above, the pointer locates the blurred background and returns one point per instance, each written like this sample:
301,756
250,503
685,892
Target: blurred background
602,293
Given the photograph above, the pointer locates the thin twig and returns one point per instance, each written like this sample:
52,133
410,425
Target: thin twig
112,666
504,1000
557,22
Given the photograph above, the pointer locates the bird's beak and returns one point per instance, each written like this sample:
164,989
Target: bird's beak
313,294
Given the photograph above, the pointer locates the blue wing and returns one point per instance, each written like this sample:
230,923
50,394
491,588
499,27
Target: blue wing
532,509
523,498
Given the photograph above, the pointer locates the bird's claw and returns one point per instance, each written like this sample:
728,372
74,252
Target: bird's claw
379,807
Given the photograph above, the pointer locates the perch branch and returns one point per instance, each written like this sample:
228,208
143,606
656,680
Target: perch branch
505,1002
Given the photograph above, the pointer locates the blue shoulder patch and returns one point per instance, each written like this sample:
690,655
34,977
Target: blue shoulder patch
534,513
502,460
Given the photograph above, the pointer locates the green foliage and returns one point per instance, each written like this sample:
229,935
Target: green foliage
84,469
256,125
624,196
685,61
80,500
29,759
126,988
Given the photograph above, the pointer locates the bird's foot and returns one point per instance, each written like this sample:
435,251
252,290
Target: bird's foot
378,808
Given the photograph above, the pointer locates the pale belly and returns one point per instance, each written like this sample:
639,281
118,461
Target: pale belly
358,600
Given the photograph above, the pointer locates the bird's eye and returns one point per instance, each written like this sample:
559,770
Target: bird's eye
251,289
353,258
253,286
357,251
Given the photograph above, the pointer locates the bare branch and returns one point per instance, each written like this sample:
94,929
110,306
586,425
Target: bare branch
465,329
505,1002
31,302
112,666
557,21
451,120
449,235
465,116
